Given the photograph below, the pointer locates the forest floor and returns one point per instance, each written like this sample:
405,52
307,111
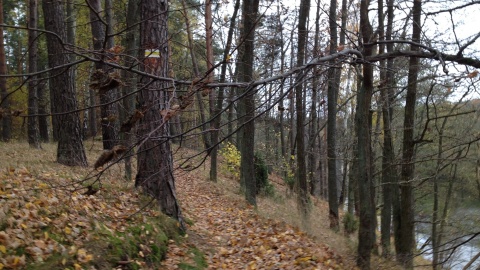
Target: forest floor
48,221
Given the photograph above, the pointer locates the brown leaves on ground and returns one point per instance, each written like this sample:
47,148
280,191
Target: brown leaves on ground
45,215
234,236
39,218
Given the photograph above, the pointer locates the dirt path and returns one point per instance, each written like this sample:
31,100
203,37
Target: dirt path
233,236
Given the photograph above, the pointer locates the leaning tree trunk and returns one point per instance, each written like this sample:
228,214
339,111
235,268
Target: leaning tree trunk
70,145
221,94
198,93
155,160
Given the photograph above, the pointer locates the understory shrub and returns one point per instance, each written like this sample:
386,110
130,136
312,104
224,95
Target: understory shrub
350,223
261,174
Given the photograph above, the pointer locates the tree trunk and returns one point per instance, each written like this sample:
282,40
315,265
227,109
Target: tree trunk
209,55
42,111
155,160
332,122
92,113
406,243
366,234
221,93
131,39
32,126
389,172
198,94
70,150
247,170
301,173
312,134
108,109
5,101
281,107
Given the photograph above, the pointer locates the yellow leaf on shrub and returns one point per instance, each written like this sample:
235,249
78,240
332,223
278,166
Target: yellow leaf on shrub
3,249
77,266
1,266
67,230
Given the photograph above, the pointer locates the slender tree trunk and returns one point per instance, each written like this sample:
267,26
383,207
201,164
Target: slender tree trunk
312,154
446,209
230,113
92,113
70,150
108,109
131,39
477,171
5,101
332,122
209,55
33,131
438,222
301,173
407,239
155,159
291,113
198,94
281,107
71,27
389,173
221,91
42,111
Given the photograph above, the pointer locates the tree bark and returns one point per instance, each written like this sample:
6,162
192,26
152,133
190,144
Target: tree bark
32,126
312,154
366,234
108,109
209,56
131,40
301,173
332,121
155,160
406,243
42,111
70,150
5,101
247,144
389,174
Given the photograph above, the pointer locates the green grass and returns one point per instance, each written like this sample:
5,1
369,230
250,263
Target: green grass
140,242
198,258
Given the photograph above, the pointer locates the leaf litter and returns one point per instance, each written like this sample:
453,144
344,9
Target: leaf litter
41,219
234,236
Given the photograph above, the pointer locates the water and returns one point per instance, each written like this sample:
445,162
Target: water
460,257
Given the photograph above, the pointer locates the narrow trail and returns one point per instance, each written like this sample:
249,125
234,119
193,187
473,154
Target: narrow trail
233,236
